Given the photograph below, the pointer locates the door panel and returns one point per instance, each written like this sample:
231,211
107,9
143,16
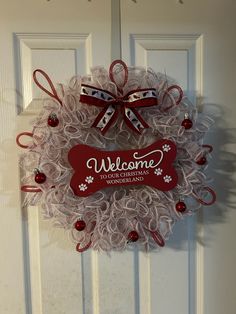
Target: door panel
171,271
61,55
41,272
193,43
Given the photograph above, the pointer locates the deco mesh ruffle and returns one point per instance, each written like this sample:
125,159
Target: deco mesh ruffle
115,217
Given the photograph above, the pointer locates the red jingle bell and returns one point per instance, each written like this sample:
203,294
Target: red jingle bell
133,236
80,225
201,161
40,177
53,120
180,207
187,123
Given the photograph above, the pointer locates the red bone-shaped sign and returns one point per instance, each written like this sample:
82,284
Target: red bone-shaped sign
97,169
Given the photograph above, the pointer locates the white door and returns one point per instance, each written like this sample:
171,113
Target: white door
192,42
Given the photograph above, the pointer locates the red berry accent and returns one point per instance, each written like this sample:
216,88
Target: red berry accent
201,161
187,124
180,207
40,178
53,120
133,236
80,225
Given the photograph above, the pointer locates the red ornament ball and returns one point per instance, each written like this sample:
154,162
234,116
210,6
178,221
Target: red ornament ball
180,207
80,225
201,161
133,236
187,124
40,177
53,120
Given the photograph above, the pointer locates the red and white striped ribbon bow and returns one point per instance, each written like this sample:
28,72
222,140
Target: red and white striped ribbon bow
112,103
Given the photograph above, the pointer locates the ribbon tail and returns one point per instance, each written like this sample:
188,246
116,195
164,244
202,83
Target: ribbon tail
82,249
105,118
158,238
53,92
134,120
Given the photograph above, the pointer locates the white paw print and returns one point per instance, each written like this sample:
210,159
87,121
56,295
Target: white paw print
158,171
83,187
166,147
89,179
167,178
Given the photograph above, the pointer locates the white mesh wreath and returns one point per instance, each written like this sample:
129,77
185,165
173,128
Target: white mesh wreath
115,217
